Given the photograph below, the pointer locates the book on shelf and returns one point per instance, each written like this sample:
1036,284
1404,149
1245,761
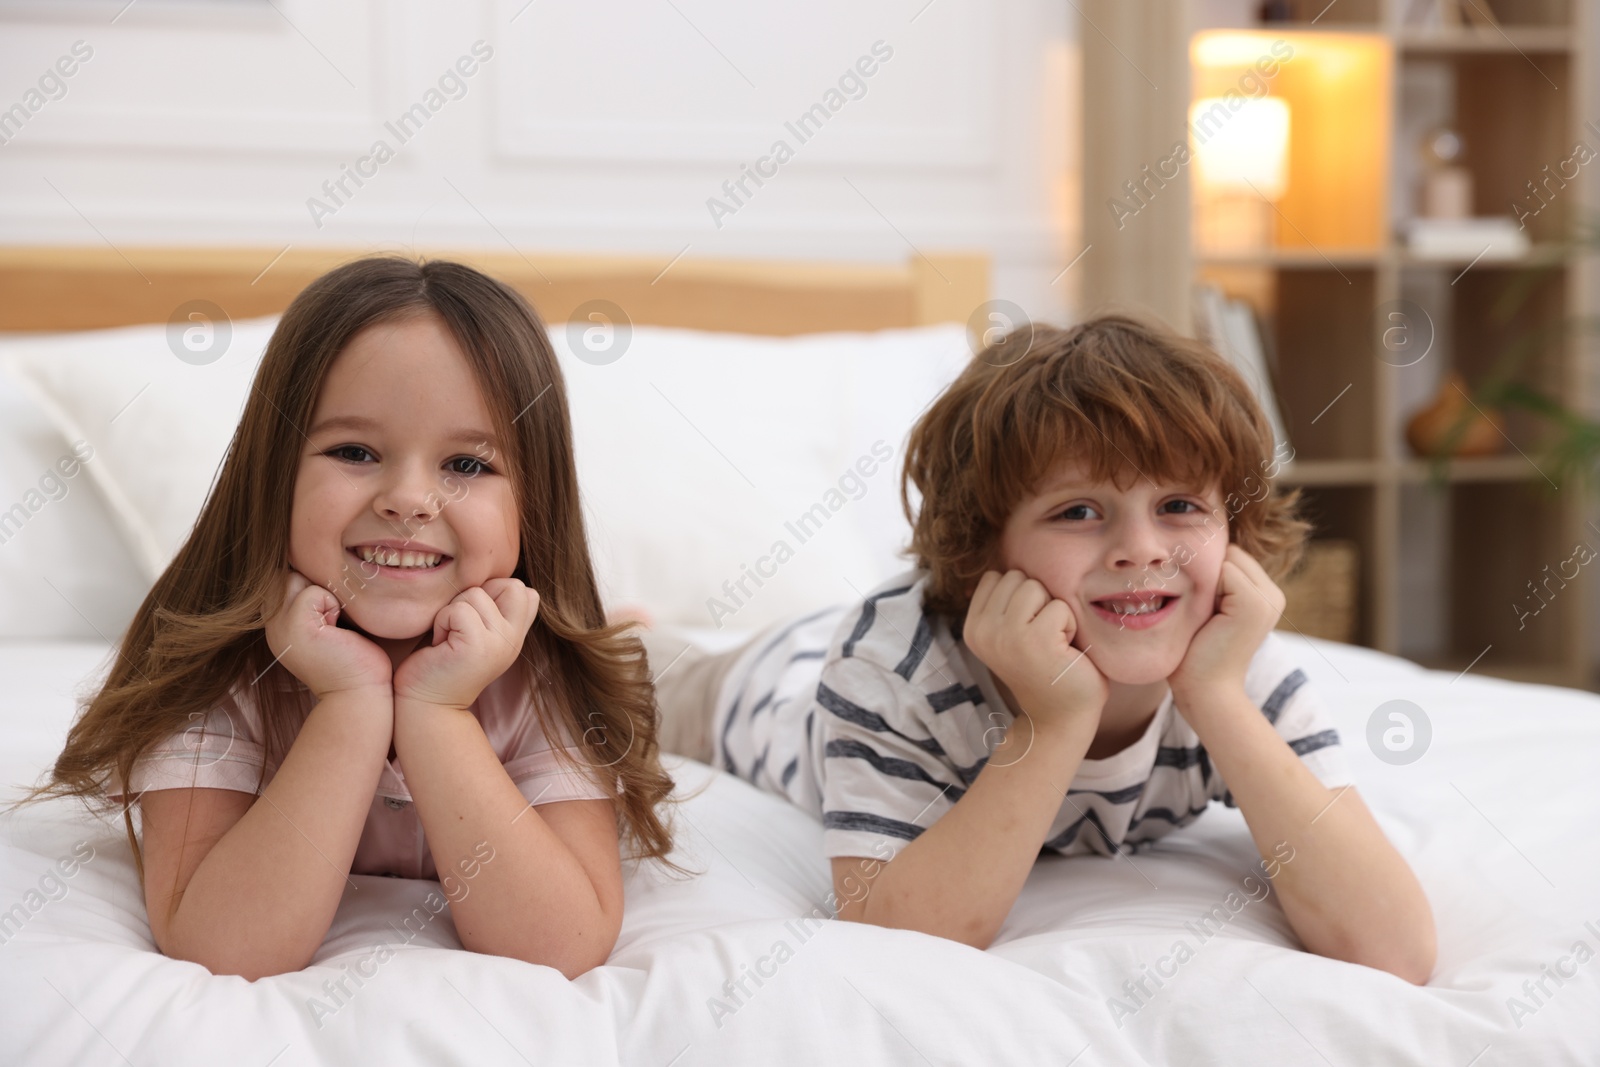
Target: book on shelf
1493,237
1230,327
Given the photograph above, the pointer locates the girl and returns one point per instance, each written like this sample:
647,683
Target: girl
382,649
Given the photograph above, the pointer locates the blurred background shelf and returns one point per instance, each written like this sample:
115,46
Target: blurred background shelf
1453,565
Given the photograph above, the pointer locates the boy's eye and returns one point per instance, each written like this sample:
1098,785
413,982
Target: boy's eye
1181,507
1078,513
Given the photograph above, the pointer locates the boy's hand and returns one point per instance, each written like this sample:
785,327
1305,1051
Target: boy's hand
476,639
304,636
1024,636
1249,604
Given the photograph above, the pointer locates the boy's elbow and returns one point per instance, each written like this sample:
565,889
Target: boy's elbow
1415,957
1411,960
973,931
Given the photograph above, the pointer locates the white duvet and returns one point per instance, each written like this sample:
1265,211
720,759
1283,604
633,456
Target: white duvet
1498,819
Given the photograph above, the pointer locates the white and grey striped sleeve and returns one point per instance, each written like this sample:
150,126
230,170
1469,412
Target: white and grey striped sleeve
885,777
1297,711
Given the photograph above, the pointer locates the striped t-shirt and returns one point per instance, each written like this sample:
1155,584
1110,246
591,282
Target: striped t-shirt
876,719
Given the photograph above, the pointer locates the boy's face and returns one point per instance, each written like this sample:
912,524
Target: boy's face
1139,567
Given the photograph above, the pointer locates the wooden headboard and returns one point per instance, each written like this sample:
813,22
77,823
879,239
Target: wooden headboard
78,288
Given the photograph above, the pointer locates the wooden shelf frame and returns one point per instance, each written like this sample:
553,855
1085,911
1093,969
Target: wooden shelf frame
1502,515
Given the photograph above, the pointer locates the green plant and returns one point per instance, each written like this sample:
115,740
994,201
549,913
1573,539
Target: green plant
1571,448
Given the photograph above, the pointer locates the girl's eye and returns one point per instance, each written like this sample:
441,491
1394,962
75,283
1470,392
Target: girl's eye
1078,513
344,452
1182,507
476,465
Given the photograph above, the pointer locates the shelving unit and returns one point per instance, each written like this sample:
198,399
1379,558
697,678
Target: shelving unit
1448,559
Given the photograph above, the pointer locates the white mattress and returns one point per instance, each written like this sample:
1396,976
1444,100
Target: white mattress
1497,819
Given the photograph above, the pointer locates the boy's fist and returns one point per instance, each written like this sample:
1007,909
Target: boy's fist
1249,604
304,636
1024,636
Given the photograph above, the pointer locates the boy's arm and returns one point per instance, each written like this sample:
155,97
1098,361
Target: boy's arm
961,876
539,884
1348,893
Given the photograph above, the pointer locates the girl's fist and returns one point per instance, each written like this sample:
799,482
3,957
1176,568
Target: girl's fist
476,639
304,636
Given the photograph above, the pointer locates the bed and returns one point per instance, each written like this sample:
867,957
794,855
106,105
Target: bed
741,963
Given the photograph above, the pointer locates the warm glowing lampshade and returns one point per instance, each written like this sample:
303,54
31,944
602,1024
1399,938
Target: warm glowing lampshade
1242,144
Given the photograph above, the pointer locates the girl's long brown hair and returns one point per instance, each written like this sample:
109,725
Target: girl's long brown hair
201,628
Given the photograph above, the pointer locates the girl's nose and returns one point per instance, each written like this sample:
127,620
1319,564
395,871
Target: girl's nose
409,497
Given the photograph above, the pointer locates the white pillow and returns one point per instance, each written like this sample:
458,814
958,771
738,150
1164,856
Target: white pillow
159,425
732,480
65,573
698,453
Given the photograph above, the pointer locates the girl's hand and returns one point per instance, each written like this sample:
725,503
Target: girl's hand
1249,605
1024,636
304,637
476,638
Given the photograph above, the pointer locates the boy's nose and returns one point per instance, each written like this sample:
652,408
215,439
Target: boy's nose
1137,545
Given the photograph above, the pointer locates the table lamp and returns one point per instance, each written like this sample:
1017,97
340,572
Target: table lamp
1241,149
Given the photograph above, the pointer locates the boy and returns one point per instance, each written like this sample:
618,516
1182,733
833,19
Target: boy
1081,661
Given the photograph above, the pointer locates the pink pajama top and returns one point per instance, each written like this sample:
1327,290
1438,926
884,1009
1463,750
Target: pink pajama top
226,751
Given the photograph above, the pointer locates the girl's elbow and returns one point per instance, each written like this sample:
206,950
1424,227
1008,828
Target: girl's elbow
577,968
226,965
575,960
1418,968
223,961
1415,966
586,951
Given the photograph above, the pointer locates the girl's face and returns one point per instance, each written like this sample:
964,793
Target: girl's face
1139,567
401,500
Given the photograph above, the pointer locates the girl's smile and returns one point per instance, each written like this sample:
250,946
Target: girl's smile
398,559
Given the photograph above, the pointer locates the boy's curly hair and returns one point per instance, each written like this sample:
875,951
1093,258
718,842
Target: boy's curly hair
1123,397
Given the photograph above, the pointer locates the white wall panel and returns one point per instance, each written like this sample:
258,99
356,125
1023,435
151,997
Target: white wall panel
602,127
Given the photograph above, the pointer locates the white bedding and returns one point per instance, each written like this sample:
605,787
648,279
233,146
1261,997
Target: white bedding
1496,819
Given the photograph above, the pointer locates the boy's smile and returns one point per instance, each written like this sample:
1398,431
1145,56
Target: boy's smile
401,500
1138,566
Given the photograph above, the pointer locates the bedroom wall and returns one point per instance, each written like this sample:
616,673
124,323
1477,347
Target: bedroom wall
604,127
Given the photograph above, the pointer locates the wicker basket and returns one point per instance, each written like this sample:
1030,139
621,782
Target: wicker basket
1322,592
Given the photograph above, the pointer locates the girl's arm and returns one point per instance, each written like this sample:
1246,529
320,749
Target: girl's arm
249,885
552,892
540,884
